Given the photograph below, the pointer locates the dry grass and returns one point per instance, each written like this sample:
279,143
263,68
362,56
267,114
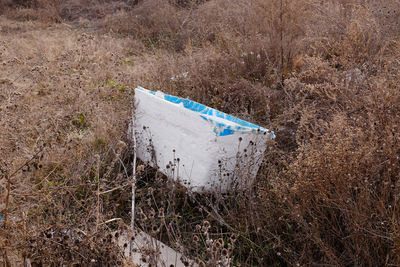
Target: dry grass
324,76
65,98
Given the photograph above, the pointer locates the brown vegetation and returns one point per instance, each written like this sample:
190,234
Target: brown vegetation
323,75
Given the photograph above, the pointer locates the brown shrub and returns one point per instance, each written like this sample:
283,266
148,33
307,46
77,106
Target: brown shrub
41,10
157,23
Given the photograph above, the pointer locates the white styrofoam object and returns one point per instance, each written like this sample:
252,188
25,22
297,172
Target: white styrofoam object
202,148
148,251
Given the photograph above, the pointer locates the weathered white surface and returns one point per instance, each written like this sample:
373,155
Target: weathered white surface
197,145
148,251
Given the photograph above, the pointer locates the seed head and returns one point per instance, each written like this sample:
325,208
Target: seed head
206,224
224,252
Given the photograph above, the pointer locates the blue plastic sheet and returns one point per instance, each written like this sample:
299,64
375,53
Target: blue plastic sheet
224,124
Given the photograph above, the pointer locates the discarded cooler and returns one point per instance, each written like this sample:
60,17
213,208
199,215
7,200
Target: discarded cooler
202,148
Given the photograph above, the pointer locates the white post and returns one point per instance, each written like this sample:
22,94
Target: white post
133,176
133,183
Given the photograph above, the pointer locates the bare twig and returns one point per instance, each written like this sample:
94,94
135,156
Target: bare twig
113,189
26,163
98,192
111,220
7,200
5,219
281,40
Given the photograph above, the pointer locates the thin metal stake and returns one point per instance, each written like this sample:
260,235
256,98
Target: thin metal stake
133,176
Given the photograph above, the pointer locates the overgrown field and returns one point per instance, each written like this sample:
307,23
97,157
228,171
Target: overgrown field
324,75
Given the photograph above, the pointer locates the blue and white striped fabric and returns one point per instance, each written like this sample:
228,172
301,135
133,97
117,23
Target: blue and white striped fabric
224,124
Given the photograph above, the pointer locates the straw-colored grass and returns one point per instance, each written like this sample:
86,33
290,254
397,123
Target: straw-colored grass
323,75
